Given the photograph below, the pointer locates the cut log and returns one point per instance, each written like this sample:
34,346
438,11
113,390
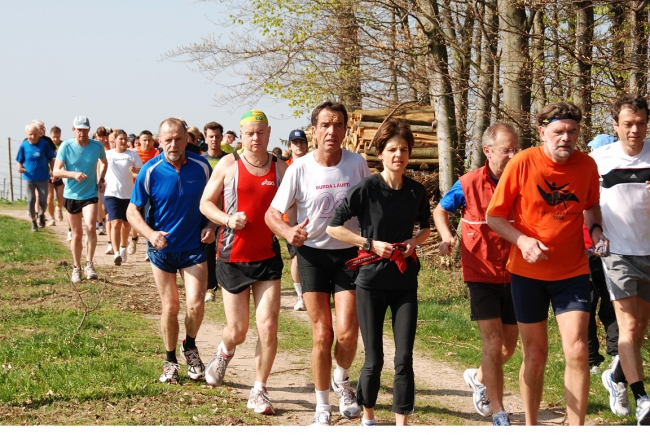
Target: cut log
376,125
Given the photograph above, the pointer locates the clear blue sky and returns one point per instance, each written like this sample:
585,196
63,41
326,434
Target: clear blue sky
102,59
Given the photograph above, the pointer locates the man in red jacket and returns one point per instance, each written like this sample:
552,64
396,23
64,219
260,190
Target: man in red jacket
484,256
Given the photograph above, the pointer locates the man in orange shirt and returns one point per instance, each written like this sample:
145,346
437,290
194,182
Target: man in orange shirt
549,189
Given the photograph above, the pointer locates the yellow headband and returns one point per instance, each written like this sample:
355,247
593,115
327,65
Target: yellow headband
253,116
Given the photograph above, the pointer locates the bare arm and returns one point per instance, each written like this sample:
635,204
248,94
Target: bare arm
102,166
210,205
441,220
341,233
59,172
20,168
294,235
156,238
593,215
531,249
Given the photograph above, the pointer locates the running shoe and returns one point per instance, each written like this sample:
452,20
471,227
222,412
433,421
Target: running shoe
300,305
89,270
34,226
480,397
618,401
50,223
109,249
216,369
69,238
123,253
347,399
372,422
101,230
58,213
170,373
76,275
210,295
195,367
594,370
133,245
259,401
321,417
501,419
643,411
41,221
117,260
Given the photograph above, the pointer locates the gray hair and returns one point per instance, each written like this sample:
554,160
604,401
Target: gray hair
490,134
38,122
31,126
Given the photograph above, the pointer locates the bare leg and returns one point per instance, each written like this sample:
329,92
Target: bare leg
534,340
76,226
89,212
168,291
236,307
267,309
320,316
115,233
195,278
632,316
347,327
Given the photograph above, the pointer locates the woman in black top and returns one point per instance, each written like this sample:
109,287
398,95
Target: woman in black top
387,205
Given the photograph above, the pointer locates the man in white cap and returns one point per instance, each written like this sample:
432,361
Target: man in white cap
77,160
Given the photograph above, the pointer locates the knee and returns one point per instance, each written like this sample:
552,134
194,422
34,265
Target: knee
91,230
348,336
576,351
238,331
268,330
323,338
170,308
535,358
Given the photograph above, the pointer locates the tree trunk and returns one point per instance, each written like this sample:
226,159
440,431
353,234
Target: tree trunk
582,66
637,18
348,49
539,89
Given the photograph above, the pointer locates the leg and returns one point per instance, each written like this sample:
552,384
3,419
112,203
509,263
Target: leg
632,314
115,234
534,340
124,234
320,316
266,295
89,212
76,226
237,315
404,309
347,327
497,348
41,187
295,276
50,200
31,200
168,291
573,329
194,278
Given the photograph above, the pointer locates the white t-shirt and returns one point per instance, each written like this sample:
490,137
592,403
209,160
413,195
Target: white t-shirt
317,191
119,181
624,199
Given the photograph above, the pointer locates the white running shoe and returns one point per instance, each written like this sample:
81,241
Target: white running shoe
58,213
69,238
216,369
170,373
123,253
643,411
322,417
76,275
101,230
480,397
50,223
210,295
618,401
501,419
89,271
347,399
300,305
109,249
132,247
260,402
195,367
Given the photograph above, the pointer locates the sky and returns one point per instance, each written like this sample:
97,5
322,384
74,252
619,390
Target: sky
103,59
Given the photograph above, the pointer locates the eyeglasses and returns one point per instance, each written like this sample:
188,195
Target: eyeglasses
510,152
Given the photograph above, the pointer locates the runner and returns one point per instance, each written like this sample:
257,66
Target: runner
102,136
624,169
34,158
388,206
298,148
55,185
547,189
41,127
316,184
123,165
248,259
77,160
483,259
172,183
228,145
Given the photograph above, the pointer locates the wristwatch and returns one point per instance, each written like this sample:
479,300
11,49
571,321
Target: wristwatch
367,245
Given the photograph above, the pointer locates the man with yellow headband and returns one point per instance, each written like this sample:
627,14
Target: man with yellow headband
248,253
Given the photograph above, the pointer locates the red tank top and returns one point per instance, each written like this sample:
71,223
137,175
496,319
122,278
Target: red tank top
252,195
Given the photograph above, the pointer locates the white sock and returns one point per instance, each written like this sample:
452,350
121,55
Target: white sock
368,421
116,254
298,288
224,350
259,386
340,374
323,398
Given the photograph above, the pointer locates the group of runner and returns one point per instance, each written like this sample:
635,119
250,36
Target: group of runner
351,235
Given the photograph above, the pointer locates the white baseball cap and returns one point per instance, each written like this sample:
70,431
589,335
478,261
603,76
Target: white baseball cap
81,122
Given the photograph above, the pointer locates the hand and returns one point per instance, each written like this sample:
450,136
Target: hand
447,246
52,178
647,185
101,186
383,249
207,235
296,235
158,240
600,244
236,221
532,249
410,246
80,176
21,170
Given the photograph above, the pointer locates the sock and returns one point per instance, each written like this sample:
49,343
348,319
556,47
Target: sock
323,398
224,350
298,288
116,254
373,421
189,342
340,374
618,375
638,390
171,356
259,386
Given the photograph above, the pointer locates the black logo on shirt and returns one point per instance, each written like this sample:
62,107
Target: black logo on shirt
557,195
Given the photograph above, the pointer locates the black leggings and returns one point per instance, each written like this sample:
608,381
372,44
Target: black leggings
371,310
32,187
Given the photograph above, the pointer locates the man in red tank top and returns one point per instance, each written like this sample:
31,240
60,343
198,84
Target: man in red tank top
248,253
483,257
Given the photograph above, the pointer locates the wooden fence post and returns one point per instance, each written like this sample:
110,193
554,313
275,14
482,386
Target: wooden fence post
11,178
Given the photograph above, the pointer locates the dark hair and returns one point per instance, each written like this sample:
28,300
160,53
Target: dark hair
146,132
118,132
212,126
191,136
390,128
329,105
55,129
633,102
101,131
277,151
559,111
490,134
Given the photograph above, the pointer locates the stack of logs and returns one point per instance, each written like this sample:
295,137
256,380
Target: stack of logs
363,124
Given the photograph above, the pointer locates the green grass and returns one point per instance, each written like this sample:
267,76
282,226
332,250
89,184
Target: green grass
19,245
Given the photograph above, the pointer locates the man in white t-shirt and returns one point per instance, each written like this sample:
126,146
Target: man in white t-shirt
624,169
316,184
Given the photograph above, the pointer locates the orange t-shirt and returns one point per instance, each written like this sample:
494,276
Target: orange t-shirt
145,156
548,200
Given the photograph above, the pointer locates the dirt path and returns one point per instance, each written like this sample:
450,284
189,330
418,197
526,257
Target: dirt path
440,387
